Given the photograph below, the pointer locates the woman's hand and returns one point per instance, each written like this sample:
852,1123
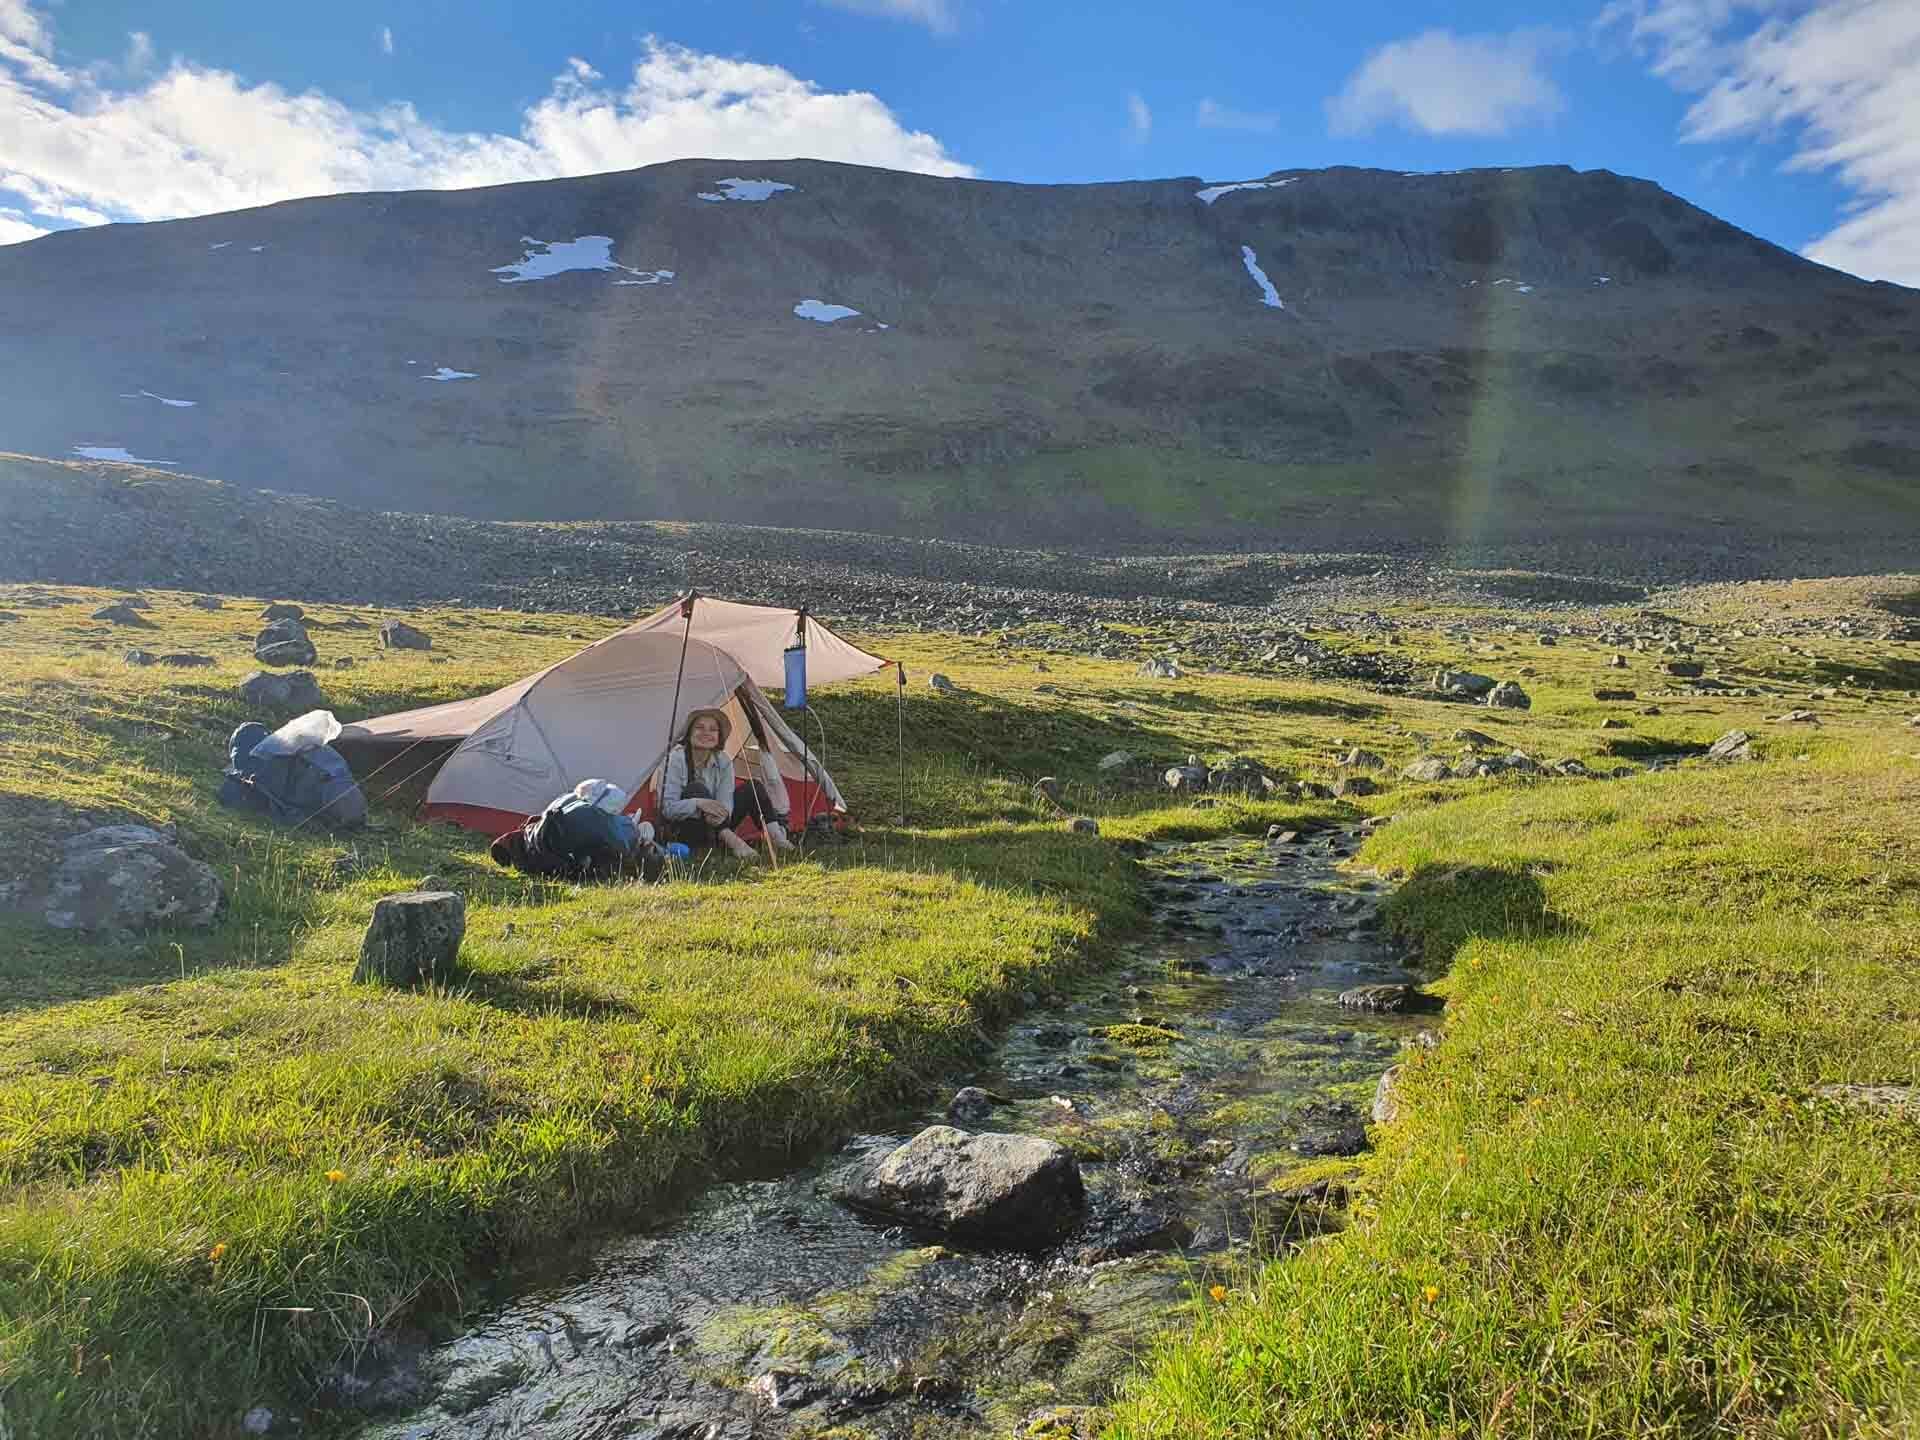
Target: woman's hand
713,811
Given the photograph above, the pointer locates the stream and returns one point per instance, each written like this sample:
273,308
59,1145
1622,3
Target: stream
1213,1057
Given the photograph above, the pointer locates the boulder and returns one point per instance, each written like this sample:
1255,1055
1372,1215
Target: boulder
128,877
208,602
1161,668
1614,723
1605,694
297,690
137,656
1241,777
1187,779
284,642
1508,695
1280,835
1084,825
1461,682
1385,999
1015,1192
1047,788
1431,768
1115,760
1618,662
120,613
283,610
1349,787
1685,669
398,635
941,683
1734,745
1358,759
1797,717
413,938
1478,739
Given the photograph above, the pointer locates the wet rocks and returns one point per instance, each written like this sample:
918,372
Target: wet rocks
1329,1129
413,938
1133,1232
1508,695
284,642
970,1105
296,690
1015,1192
398,635
1385,999
128,877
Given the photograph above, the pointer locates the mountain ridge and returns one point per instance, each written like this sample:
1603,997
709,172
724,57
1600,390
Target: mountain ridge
1442,356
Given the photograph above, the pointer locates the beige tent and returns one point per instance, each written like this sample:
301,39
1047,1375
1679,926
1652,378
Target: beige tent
612,711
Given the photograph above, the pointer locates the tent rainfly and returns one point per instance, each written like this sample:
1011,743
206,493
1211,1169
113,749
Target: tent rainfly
613,710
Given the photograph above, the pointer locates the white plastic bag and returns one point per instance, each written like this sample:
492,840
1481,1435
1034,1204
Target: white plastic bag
303,732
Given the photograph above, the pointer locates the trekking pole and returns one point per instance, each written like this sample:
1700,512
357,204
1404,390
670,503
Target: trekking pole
686,609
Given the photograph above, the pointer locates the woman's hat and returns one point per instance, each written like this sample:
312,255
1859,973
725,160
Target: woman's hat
726,725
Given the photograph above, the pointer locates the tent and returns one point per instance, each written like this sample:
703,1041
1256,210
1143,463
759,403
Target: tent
612,711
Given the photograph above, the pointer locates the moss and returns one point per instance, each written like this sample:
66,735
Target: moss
1139,1037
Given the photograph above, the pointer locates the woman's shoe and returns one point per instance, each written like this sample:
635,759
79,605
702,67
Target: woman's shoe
777,834
737,847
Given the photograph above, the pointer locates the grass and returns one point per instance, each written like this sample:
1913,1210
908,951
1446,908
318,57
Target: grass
1613,1202
223,1167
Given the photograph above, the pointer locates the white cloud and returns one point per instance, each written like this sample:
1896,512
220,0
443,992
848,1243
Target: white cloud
938,16
1842,77
1447,84
194,140
1212,115
139,51
15,227
1139,117
386,39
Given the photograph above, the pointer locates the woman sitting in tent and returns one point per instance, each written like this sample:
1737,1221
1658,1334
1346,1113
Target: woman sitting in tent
698,800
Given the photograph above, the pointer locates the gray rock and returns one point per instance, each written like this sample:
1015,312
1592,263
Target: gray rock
970,1104
1161,668
120,613
1335,1129
1358,759
1508,695
1280,835
1478,739
1431,768
1897,1098
398,635
1461,682
1798,717
413,938
208,602
941,683
1618,662
1385,1106
128,877
1016,1192
140,657
1241,777
257,1421
1613,723
283,610
297,690
1047,788
284,642
1685,669
1083,825
1606,694
1115,760
1734,745
1186,779
1353,786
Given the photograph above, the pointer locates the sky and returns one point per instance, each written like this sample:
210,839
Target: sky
1798,120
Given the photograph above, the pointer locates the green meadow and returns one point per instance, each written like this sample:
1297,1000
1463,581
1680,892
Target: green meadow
1615,1200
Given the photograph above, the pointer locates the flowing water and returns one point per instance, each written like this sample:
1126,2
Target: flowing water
1214,1058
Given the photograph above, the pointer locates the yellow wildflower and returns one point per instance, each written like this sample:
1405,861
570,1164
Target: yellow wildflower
336,1176
217,1251
1432,1293
1219,1292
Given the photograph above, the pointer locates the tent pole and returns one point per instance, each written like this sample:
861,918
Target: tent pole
686,609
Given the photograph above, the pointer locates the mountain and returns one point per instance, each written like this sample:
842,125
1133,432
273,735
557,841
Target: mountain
1315,358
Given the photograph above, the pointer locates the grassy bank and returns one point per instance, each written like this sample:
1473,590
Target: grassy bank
1615,1200
222,1165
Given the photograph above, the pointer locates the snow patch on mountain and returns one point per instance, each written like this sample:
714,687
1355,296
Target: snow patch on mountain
649,277
119,454
220,245
444,373
744,190
823,312
149,395
1214,192
1269,295
544,259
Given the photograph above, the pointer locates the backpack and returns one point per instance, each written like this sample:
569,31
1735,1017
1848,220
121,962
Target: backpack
316,784
574,835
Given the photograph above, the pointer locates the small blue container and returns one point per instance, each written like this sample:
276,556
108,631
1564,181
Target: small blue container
677,851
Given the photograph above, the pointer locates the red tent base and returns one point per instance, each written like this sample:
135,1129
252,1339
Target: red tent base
804,797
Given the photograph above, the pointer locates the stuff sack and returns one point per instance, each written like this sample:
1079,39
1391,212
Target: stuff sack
312,783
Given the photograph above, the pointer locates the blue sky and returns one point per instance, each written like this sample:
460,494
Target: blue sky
1797,119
